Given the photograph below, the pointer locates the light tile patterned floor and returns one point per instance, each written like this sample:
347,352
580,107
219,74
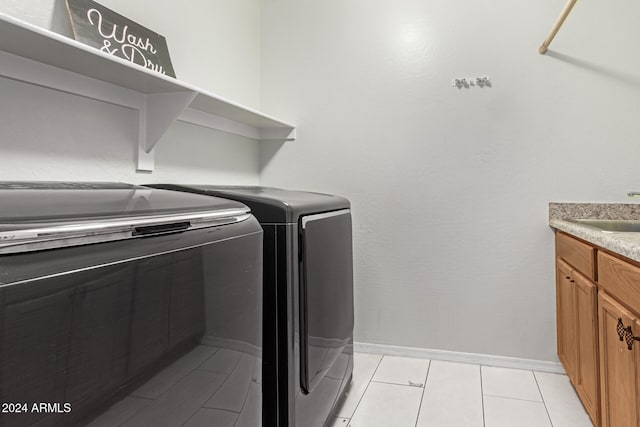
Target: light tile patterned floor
402,391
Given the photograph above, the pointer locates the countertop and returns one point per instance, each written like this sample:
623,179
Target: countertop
625,244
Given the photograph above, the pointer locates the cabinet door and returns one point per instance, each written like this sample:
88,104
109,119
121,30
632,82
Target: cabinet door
566,320
587,326
618,366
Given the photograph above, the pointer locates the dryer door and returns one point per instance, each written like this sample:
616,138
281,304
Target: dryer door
326,293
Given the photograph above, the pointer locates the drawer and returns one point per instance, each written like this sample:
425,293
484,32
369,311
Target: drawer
620,279
580,256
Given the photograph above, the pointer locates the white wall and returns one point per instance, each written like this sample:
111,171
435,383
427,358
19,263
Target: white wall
48,135
450,187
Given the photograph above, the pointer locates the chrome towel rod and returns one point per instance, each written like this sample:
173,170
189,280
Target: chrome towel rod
556,27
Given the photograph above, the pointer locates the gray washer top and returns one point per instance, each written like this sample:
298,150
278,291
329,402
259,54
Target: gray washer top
268,204
43,215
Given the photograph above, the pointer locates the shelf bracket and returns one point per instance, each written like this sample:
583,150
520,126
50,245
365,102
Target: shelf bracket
278,134
157,114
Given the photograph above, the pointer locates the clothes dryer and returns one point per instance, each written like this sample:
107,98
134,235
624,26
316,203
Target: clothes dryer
308,297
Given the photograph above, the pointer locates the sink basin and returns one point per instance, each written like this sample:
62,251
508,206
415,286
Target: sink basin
610,226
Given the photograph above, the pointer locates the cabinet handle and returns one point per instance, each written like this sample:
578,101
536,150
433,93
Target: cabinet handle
626,334
620,329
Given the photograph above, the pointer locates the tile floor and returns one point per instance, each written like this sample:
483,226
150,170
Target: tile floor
401,391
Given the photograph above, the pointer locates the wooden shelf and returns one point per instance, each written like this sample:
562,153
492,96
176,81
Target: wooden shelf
37,56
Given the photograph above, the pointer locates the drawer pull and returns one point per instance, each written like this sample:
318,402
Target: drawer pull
626,334
620,329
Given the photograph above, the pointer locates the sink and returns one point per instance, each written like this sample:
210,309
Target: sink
609,225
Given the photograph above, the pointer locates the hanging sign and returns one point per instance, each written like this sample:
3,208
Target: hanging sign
112,33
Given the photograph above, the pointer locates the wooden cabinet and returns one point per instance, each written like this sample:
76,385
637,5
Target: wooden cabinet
619,310
566,320
579,255
587,332
619,364
620,279
577,332
598,312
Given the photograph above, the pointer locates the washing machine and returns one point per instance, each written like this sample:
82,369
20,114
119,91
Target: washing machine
123,305
308,299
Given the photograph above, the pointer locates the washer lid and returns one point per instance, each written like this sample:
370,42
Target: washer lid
44,215
268,204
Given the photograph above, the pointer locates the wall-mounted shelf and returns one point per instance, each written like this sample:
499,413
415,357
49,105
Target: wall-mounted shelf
37,56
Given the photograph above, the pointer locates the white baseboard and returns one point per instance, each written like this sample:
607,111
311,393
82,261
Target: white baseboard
454,356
